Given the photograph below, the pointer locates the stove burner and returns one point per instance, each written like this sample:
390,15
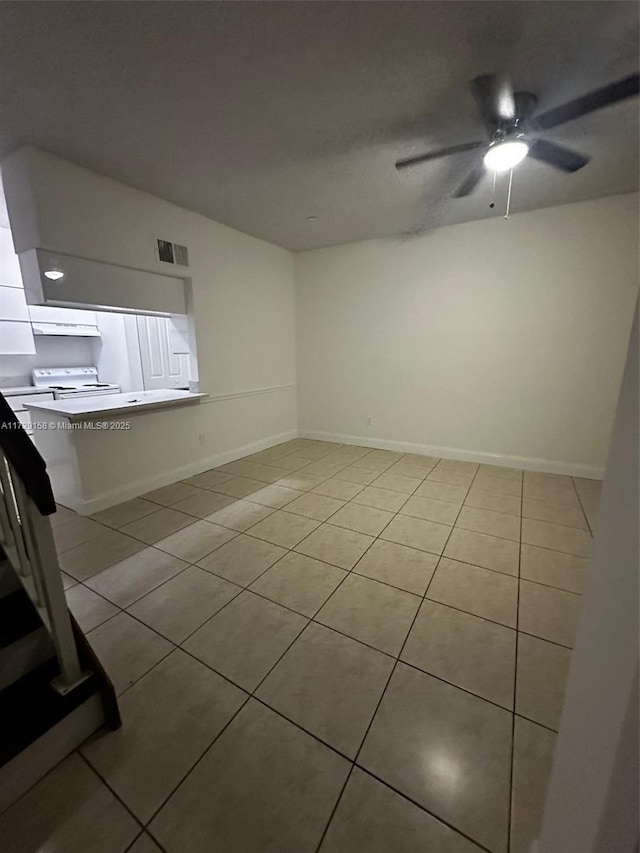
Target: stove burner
67,382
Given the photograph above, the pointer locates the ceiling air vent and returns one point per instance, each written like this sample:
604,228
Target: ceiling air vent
181,255
172,253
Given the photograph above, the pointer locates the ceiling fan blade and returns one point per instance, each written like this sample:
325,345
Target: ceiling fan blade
434,155
557,156
494,96
589,103
470,182
525,104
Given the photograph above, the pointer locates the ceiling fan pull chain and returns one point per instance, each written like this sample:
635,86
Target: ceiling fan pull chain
506,215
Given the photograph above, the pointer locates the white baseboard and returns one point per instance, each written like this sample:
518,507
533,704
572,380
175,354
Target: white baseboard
140,487
165,478
550,466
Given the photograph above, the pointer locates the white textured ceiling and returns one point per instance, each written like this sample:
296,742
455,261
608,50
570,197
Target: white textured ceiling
261,114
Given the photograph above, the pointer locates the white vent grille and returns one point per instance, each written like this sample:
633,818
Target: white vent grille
181,255
172,253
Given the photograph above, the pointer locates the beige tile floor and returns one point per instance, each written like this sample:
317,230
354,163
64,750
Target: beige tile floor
321,648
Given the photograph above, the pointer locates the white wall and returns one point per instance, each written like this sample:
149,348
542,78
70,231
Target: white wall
50,352
492,337
592,799
242,289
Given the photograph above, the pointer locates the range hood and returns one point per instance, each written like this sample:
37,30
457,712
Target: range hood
70,329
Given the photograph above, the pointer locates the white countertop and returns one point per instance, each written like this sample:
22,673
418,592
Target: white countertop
112,405
13,390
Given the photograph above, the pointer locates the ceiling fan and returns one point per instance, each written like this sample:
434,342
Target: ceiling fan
513,129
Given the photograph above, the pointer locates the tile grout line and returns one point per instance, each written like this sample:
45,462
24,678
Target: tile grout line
575,488
248,589
92,769
372,648
312,619
290,550
436,817
307,626
376,538
140,835
183,778
283,509
169,506
382,695
249,696
195,565
288,720
125,610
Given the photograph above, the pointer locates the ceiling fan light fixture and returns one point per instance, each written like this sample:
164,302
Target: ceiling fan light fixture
505,155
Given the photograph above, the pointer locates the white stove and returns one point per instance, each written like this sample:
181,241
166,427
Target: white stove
66,382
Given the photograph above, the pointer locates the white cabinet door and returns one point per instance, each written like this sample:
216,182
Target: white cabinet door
16,338
13,305
51,314
160,367
9,265
178,335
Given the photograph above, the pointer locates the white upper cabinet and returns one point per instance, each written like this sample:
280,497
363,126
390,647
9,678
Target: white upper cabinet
9,264
51,314
16,338
13,305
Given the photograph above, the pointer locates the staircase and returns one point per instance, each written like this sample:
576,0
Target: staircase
53,691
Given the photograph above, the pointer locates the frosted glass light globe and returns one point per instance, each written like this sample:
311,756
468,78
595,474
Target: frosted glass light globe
505,155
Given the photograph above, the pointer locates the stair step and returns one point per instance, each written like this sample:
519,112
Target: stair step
23,771
8,578
24,655
24,641
31,706
18,617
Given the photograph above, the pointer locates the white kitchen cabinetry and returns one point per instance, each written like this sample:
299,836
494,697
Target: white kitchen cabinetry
50,314
161,368
16,316
13,305
17,401
9,264
16,338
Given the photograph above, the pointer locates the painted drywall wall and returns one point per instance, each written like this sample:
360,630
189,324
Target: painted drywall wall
50,352
592,799
497,340
242,291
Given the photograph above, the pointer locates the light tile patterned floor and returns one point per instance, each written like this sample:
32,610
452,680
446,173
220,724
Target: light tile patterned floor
322,648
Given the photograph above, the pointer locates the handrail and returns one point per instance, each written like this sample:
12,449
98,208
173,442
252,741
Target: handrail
26,499
23,455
